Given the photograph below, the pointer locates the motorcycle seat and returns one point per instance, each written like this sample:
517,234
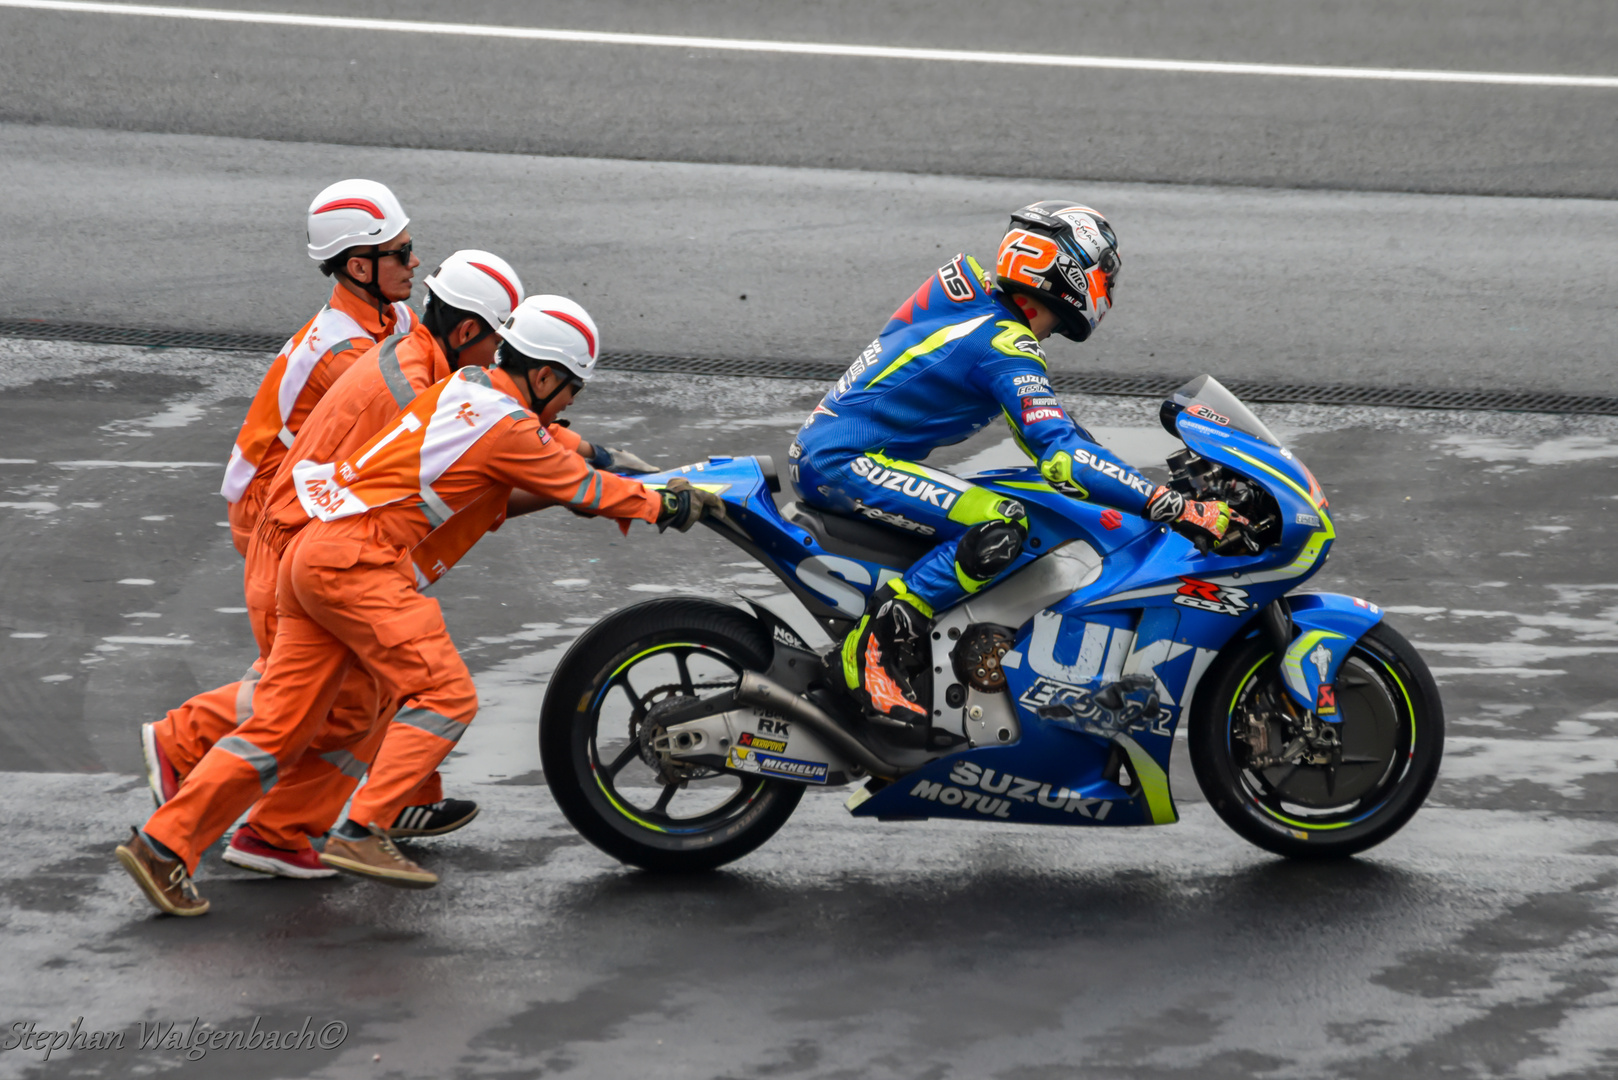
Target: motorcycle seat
856,538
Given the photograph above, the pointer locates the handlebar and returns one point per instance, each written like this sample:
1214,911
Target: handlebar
1198,478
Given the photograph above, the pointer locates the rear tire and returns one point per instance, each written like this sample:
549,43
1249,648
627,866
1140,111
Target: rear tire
1392,725
591,744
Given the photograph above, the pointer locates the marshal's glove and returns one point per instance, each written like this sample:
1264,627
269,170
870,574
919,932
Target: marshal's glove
1205,524
615,460
684,505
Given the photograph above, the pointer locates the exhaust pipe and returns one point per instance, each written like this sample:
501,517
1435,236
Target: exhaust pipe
765,693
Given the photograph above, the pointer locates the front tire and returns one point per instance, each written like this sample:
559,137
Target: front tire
1392,732
594,733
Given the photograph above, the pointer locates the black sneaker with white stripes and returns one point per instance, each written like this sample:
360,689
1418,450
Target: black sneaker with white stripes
433,819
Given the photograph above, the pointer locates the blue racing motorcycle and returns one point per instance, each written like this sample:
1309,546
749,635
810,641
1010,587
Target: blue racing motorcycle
680,734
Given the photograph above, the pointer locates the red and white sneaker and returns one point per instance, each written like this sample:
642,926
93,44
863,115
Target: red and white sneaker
161,775
249,851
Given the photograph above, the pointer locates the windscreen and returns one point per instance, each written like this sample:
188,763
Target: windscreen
1206,393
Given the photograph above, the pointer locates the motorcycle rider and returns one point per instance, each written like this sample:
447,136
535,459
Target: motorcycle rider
963,349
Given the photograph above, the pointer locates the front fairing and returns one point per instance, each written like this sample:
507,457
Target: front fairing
1301,501
1144,559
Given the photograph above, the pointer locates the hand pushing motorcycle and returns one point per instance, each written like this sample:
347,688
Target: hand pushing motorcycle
680,734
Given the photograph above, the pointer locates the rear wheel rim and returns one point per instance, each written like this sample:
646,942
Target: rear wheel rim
1374,704
614,756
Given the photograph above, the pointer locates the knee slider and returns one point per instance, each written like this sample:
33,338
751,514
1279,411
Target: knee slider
989,547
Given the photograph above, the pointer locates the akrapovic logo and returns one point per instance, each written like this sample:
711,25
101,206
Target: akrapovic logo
913,486
759,742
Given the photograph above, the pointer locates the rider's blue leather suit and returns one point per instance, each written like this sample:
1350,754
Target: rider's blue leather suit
951,359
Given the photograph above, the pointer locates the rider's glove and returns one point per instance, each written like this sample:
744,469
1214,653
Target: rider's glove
685,505
1203,523
615,460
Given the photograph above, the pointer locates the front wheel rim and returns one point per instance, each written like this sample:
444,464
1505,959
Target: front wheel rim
1264,792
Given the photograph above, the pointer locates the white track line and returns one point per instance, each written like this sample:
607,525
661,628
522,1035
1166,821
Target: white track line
804,48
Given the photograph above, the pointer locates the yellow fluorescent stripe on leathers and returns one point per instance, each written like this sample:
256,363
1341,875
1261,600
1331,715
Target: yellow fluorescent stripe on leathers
931,343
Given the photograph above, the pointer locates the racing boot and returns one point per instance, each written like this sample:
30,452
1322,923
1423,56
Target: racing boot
883,652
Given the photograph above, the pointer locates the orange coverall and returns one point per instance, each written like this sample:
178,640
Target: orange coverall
376,387
309,365
348,596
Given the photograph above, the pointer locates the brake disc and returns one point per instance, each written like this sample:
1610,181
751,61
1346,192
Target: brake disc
1367,737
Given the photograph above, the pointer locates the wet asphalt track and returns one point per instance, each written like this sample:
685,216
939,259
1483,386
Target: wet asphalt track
1479,942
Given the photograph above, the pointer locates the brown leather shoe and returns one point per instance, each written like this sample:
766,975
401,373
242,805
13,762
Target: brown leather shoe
376,857
164,881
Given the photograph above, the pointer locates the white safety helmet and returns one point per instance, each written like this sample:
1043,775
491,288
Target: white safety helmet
479,282
555,330
353,213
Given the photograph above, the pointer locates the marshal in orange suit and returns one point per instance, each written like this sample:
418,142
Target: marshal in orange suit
348,595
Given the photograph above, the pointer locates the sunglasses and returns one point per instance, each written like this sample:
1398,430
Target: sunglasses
402,252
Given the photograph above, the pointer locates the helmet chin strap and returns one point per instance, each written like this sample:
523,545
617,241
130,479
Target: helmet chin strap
452,353
562,384
370,288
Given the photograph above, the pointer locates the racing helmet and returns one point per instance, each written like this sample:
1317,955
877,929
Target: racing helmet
477,282
1065,256
352,213
553,330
